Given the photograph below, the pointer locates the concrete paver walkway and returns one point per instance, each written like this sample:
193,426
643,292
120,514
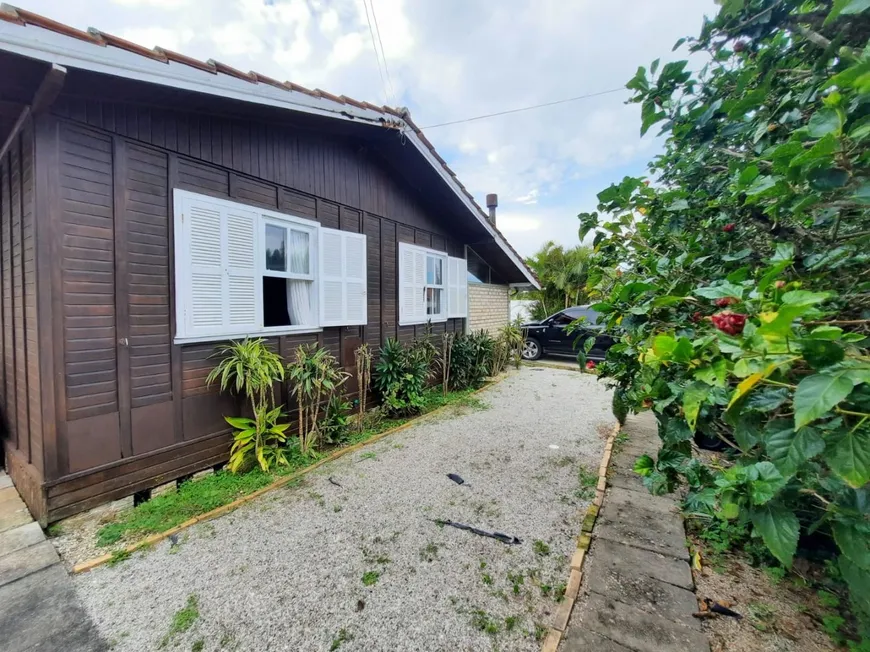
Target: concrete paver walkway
637,586
39,609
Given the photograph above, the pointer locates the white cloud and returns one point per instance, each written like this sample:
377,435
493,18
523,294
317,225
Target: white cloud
451,60
530,197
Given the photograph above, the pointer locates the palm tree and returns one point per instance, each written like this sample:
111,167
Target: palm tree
563,273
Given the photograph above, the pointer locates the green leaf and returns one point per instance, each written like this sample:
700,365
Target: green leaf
779,528
824,122
827,178
805,297
826,333
821,353
817,394
846,7
760,185
713,373
644,465
849,456
693,396
676,431
720,291
788,449
824,148
767,399
746,430
769,482
853,543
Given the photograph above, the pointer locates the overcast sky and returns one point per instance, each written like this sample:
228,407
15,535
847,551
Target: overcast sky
449,60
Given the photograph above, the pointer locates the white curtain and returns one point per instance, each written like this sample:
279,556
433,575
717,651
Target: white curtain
299,292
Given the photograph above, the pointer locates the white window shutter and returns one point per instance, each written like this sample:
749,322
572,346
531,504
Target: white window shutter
216,270
343,281
240,308
457,289
412,282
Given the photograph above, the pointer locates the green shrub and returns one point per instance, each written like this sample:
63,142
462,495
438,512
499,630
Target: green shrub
251,369
336,423
620,405
736,286
400,378
470,360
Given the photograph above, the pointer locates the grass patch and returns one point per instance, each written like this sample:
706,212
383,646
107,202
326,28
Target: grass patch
484,622
343,637
117,557
541,548
588,481
204,494
183,619
370,578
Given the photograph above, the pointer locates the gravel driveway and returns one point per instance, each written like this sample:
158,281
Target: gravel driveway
287,571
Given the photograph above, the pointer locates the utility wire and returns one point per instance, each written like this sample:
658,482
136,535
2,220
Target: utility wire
383,52
526,108
375,47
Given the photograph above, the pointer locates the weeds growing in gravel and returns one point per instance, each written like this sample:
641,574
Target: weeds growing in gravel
343,637
541,548
370,577
484,622
588,482
429,552
183,619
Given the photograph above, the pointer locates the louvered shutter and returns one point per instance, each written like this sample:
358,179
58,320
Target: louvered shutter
343,300
216,269
412,283
457,288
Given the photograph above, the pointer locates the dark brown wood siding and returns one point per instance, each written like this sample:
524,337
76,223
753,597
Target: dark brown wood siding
134,409
20,393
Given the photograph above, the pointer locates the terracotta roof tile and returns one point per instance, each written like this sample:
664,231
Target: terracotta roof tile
232,72
9,14
31,18
330,96
22,17
124,44
262,79
186,60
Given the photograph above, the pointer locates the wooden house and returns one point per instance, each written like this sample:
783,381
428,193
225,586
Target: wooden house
153,205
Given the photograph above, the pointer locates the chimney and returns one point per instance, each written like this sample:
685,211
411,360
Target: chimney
492,204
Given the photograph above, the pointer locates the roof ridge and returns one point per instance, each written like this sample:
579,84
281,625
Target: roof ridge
10,13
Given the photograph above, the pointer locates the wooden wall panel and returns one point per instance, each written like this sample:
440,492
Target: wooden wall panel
9,410
372,230
31,337
87,220
148,268
20,369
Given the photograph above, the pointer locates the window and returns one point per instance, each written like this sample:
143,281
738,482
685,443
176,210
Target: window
432,285
561,319
478,271
241,270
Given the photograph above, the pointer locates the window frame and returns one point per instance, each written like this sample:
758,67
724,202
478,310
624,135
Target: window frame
181,258
442,316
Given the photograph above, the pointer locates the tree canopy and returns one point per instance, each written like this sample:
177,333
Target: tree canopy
563,274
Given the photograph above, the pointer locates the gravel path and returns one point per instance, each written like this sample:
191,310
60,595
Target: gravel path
286,571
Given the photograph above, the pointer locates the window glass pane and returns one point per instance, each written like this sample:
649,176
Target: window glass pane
430,270
433,301
478,271
276,248
439,280
299,252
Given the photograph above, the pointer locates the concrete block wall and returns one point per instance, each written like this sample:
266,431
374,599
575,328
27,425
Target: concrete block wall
488,307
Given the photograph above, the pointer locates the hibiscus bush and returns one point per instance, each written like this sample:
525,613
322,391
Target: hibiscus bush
736,279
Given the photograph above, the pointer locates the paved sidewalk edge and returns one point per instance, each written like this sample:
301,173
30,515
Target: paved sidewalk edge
563,615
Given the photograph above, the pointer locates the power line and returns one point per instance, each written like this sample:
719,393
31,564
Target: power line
375,47
383,52
526,108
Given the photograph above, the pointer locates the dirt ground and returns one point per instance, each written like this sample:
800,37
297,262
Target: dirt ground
780,614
